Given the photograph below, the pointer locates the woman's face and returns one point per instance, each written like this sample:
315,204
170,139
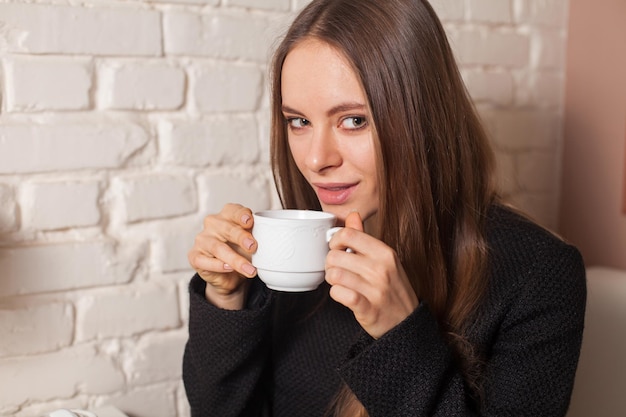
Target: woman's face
330,130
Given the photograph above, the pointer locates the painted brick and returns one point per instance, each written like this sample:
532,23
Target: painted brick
506,173
171,247
183,290
61,267
125,312
275,5
147,197
547,13
548,50
264,121
184,2
13,411
60,374
44,408
519,130
35,328
300,4
35,84
230,140
183,403
2,77
218,190
180,279
449,10
157,358
51,29
58,205
523,80
481,47
30,148
8,212
491,86
228,88
548,89
541,207
217,35
142,86
154,401
490,11
539,171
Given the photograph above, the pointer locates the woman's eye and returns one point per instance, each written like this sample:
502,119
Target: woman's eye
354,122
297,122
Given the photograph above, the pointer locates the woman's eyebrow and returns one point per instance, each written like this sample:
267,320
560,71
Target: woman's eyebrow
340,108
287,109
346,107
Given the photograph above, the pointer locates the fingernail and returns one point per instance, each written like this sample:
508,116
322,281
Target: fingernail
245,218
228,267
248,269
248,242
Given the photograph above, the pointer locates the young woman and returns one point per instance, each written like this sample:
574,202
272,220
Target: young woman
449,304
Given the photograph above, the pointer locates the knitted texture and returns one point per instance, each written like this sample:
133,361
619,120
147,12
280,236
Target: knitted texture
286,354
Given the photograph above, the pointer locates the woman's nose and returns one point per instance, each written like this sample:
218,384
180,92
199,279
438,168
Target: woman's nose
323,151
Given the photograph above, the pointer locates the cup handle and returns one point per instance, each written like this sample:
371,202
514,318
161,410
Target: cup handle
331,232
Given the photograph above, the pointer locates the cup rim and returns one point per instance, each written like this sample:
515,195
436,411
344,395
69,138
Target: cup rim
294,214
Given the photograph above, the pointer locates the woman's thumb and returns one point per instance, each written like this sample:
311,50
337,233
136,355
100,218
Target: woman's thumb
354,221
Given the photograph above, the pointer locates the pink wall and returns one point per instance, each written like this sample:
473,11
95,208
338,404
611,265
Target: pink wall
624,189
592,200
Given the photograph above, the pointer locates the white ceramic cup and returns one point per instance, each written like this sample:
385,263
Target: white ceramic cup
291,248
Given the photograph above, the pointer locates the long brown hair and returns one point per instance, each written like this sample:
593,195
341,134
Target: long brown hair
434,160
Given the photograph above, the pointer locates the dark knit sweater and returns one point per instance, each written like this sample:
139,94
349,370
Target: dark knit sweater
285,355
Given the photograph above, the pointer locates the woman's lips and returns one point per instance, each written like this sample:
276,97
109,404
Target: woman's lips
334,194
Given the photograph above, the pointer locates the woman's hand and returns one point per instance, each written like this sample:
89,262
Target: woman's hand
370,281
221,256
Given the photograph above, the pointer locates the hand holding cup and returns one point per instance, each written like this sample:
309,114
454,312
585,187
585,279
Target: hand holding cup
221,256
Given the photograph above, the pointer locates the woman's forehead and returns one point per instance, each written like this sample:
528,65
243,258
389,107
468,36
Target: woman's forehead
313,69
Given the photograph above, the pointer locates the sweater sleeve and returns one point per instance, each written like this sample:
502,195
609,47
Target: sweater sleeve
530,361
406,372
534,357
226,356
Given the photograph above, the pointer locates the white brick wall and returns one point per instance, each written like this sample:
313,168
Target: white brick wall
39,84
227,88
141,86
154,196
122,124
97,30
22,335
60,204
489,11
228,140
8,213
56,143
